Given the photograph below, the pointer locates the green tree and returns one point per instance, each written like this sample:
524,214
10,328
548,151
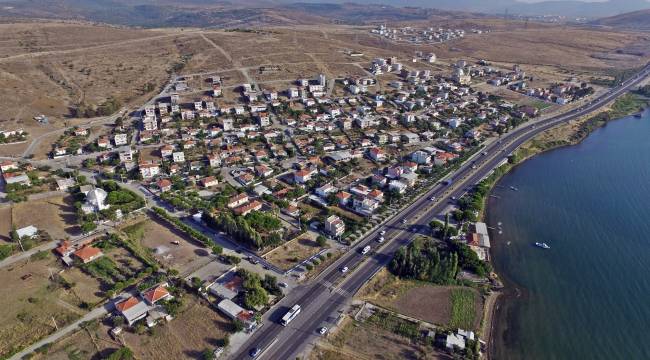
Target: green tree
217,250
321,240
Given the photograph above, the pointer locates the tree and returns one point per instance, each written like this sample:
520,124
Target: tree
207,354
88,226
321,240
238,325
123,353
217,250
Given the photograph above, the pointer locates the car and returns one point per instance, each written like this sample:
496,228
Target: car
253,260
365,250
383,232
322,330
433,198
484,152
453,198
473,166
381,239
344,269
254,352
403,221
283,284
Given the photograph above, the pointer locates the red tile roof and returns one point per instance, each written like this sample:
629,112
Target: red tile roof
86,253
155,294
127,304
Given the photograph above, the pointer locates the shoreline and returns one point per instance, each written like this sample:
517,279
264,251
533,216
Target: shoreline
496,321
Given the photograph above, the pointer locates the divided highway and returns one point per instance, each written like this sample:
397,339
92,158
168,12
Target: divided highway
324,297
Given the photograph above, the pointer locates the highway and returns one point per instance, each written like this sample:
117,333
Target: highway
323,298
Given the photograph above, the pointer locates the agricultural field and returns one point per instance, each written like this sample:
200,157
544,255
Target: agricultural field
451,306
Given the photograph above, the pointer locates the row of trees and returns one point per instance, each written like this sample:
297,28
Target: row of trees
179,224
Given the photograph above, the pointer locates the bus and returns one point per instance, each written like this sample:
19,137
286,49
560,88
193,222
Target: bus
290,315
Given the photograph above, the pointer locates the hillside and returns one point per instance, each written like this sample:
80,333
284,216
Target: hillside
639,20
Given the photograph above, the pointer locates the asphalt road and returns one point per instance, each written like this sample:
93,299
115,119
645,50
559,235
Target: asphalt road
325,297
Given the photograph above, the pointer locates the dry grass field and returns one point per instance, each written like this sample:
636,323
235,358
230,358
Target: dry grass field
30,302
5,223
292,252
56,216
196,328
48,67
160,239
356,340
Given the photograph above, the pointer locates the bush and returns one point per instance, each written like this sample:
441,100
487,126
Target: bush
309,267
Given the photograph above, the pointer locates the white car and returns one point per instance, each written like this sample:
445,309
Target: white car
283,284
344,269
381,239
403,221
322,330
433,198
382,233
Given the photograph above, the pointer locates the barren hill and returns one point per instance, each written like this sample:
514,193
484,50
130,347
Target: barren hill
639,20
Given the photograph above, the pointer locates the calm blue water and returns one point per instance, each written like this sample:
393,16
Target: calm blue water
588,297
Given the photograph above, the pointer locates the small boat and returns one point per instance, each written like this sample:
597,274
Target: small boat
514,188
638,115
542,245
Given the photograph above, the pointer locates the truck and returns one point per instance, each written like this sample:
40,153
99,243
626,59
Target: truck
290,315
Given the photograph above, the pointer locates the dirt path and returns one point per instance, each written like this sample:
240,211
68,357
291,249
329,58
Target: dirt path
214,45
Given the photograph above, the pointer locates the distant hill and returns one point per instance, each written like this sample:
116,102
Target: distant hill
569,8
639,20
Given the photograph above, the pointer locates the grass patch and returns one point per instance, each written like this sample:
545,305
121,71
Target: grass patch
463,309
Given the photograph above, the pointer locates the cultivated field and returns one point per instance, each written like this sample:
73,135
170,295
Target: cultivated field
451,306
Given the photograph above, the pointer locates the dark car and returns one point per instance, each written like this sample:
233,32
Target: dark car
254,352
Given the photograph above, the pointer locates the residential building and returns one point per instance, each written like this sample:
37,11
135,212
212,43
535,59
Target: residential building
178,157
237,200
334,226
